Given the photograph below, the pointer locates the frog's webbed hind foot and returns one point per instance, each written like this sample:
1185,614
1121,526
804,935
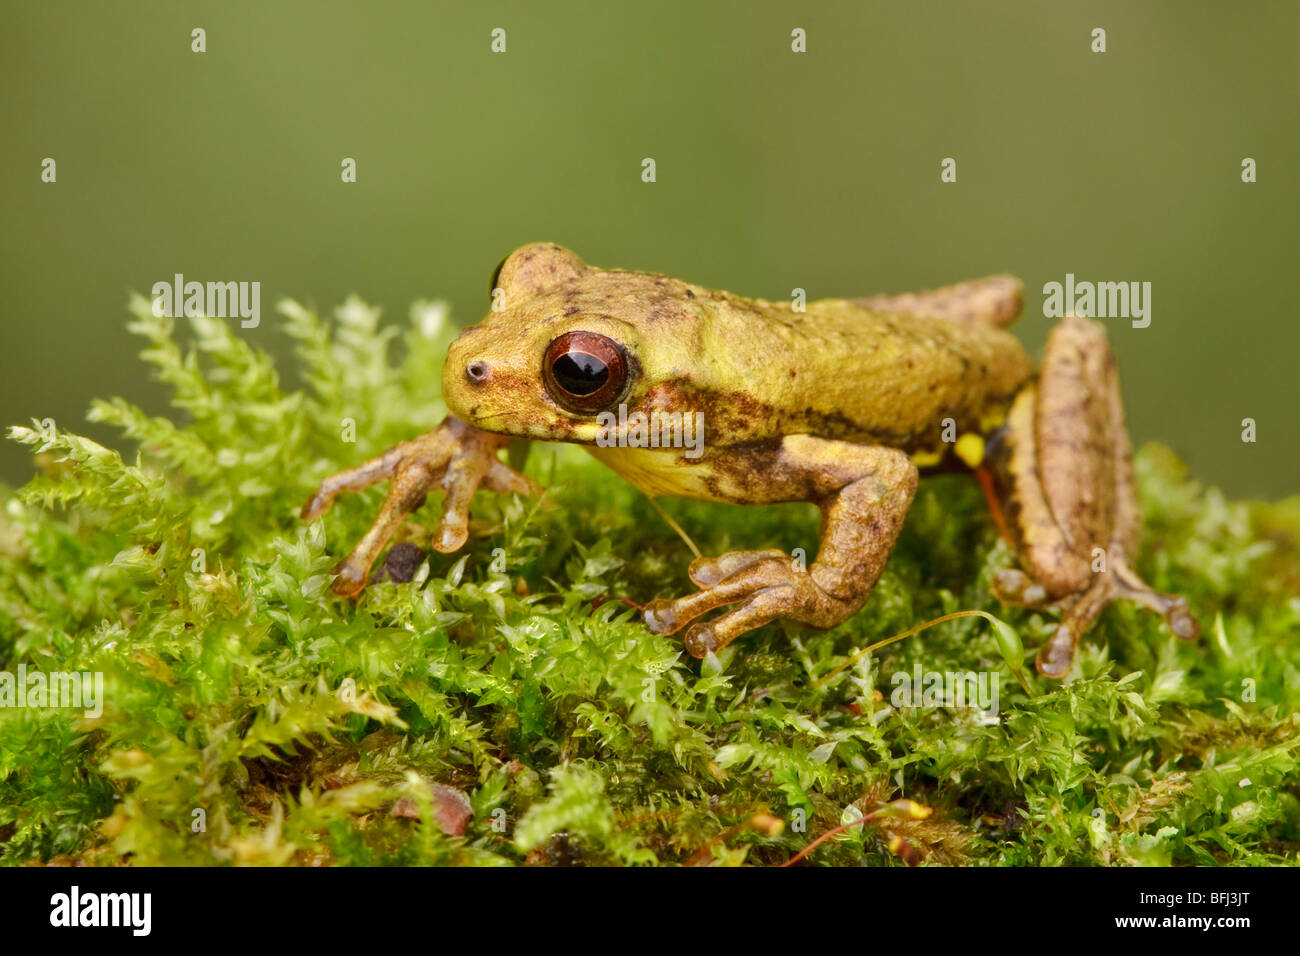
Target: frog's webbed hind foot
455,458
1079,610
864,493
1063,467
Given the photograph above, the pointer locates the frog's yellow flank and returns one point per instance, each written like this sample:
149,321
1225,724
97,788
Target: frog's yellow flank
970,449
839,404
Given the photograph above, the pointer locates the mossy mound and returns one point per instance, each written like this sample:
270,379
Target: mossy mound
508,706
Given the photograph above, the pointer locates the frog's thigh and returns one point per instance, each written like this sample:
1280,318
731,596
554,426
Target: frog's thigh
1075,426
1045,552
863,492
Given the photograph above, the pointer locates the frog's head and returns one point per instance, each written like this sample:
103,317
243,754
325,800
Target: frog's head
566,341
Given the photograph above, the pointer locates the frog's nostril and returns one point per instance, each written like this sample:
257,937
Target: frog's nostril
477,372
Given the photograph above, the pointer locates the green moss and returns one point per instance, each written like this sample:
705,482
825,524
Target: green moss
250,716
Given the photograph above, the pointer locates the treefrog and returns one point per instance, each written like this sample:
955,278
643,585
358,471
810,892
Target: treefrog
843,402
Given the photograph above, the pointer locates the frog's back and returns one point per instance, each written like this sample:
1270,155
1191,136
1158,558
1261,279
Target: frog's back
847,370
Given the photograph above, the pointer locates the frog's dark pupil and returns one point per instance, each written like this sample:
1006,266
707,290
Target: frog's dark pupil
579,373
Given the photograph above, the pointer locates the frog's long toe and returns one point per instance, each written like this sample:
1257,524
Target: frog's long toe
1172,607
763,607
707,572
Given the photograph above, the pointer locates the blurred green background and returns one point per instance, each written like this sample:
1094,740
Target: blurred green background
775,170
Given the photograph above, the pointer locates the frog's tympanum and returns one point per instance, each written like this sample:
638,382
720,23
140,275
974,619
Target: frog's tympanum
842,403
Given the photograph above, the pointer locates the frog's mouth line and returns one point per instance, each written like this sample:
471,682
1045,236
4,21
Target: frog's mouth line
562,430
477,420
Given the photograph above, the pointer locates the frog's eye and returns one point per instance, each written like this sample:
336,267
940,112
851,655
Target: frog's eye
584,372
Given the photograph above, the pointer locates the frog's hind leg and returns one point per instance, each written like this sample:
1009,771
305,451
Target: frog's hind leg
1063,470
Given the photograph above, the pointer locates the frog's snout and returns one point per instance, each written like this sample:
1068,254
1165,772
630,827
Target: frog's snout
466,361
479,380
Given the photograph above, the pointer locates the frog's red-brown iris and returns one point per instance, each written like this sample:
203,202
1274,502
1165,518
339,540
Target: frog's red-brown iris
584,371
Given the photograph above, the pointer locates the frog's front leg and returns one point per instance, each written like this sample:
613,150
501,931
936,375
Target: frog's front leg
863,493
1063,470
454,457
